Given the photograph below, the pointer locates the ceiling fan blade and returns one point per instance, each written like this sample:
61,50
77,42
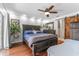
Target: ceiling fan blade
53,12
50,7
41,10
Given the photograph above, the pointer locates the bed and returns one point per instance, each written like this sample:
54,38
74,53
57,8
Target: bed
37,40
68,48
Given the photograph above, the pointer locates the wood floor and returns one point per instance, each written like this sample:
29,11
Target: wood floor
22,49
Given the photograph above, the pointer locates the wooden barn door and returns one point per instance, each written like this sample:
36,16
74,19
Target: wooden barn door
67,28
68,20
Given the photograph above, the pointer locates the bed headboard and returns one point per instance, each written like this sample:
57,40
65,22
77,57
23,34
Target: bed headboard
31,27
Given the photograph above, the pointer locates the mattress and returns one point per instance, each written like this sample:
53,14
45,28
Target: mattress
68,48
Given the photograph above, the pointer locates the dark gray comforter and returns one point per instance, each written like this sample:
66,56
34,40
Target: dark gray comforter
38,37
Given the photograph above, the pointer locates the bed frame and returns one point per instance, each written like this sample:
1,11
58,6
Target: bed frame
40,45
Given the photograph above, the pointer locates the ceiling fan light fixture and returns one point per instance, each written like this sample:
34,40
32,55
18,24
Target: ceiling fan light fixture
47,14
48,11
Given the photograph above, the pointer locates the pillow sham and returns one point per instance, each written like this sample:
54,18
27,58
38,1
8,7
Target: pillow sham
39,32
28,32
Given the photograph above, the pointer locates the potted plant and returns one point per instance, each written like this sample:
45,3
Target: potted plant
15,29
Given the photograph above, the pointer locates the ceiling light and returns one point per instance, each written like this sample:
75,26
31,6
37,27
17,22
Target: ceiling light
23,18
32,19
39,20
45,21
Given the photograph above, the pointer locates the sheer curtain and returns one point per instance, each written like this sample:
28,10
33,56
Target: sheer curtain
6,31
4,36
4,27
59,27
1,30
62,28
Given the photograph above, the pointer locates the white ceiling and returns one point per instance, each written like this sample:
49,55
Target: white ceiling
30,9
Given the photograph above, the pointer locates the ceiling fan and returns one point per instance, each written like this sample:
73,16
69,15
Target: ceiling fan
48,10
